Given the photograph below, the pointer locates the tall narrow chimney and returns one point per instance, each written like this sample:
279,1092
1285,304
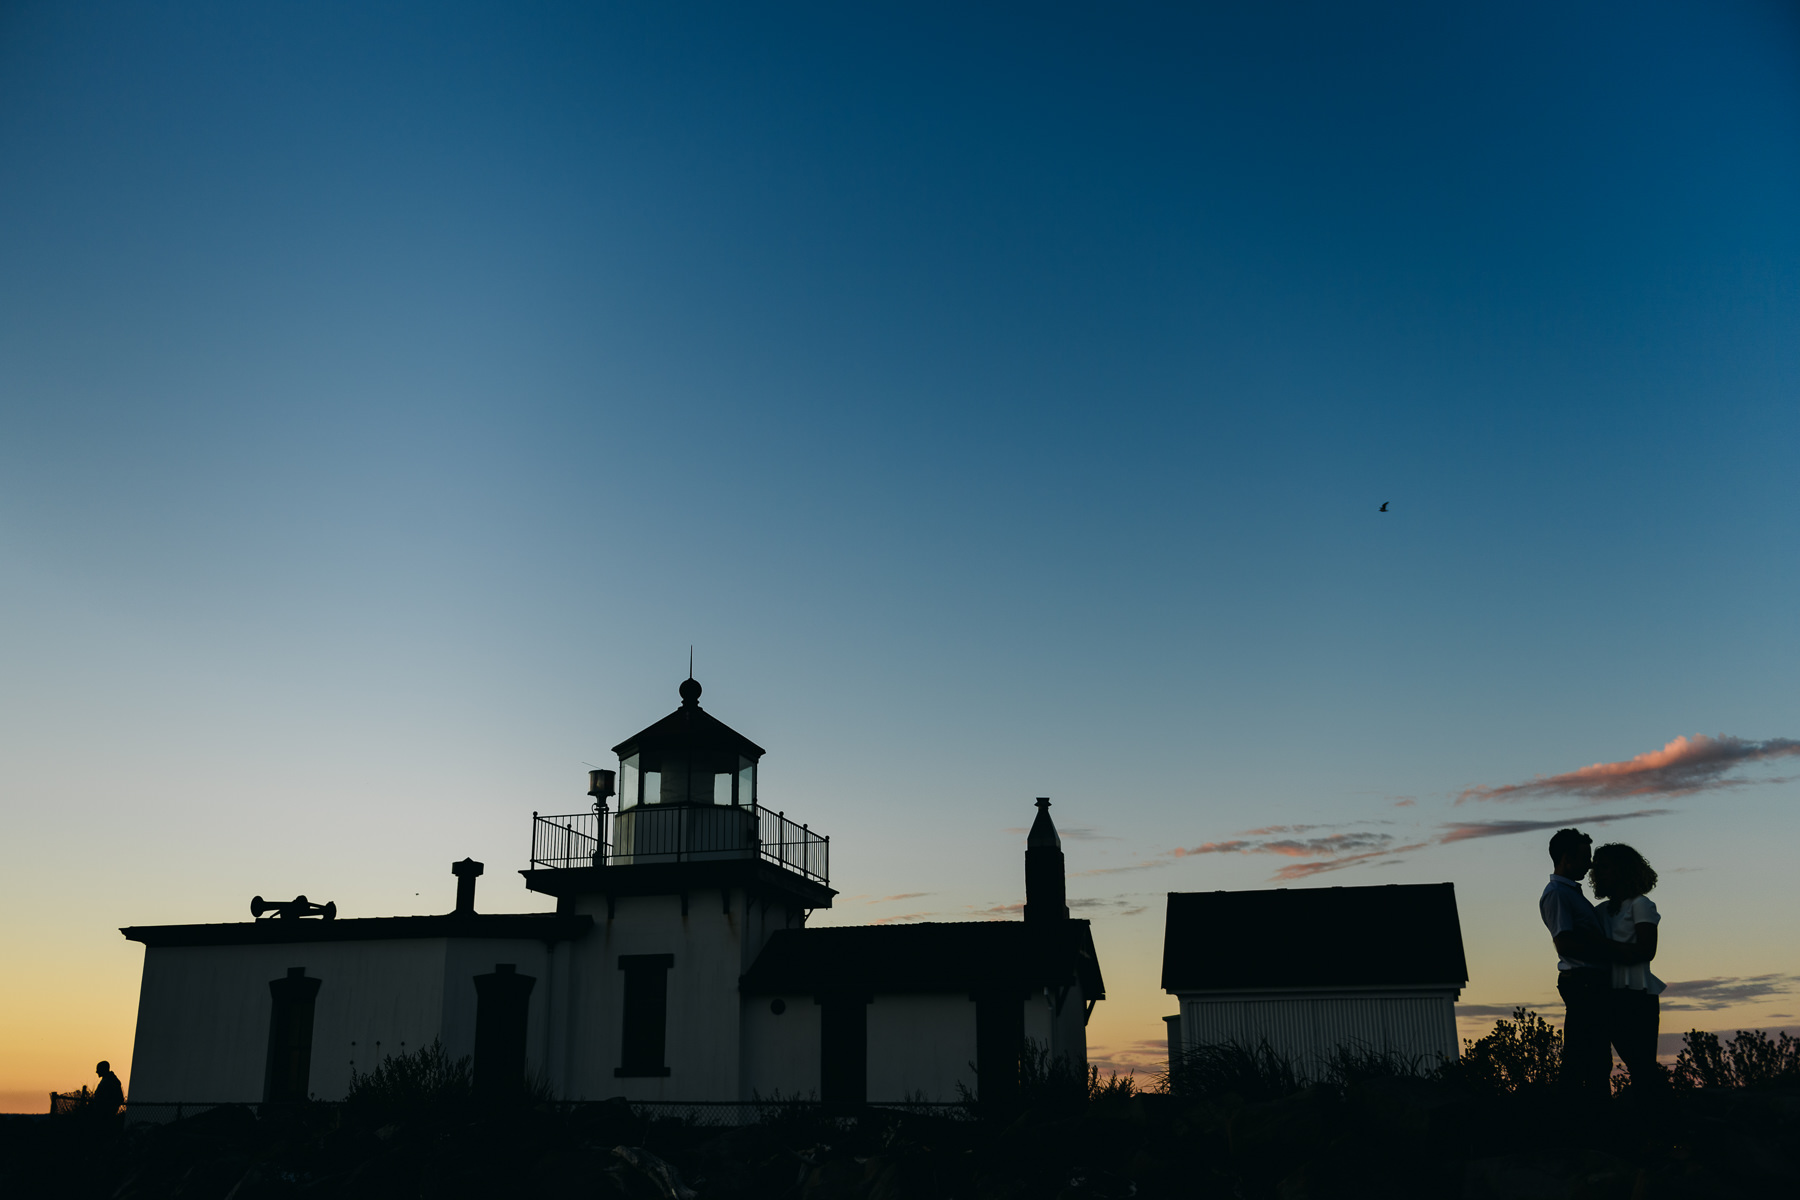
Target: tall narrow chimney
1045,896
465,872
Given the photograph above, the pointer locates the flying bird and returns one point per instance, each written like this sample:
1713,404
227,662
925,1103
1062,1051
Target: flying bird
1383,507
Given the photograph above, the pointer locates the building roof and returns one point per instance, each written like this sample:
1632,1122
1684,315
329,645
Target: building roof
548,927
690,733
927,957
1399,935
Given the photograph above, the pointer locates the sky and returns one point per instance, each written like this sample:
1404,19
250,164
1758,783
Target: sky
998,399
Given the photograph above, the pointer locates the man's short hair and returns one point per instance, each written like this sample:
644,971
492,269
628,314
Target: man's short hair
103,1065
1567,842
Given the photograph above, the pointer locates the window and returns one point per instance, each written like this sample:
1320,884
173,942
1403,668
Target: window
502,1009
999,1035
289,1062
646,1017
844,1049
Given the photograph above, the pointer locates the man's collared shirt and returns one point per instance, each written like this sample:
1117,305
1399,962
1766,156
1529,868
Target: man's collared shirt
1563,908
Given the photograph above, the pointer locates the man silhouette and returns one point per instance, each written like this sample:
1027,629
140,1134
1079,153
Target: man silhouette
109,1094
1584,966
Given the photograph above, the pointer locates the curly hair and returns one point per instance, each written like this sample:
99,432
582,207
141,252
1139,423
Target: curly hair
1632,875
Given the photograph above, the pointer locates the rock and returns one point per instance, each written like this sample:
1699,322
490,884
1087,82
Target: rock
661,1174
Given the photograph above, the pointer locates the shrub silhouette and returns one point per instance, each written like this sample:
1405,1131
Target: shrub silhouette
1525,1052
1751,1059
426,1079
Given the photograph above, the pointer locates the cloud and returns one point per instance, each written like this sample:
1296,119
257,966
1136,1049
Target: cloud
1462,831
1307,870
1681,768
1071,833
1331,852
1406,802
1723,991
1138,866
900,896
1000,910
1335,843
1127,907
902,917
1145,1057
1503,1011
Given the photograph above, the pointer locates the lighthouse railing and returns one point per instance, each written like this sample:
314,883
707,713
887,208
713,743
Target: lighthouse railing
655,833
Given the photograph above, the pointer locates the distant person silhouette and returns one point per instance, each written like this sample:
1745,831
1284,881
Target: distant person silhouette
1620,877
109,1094
1586,957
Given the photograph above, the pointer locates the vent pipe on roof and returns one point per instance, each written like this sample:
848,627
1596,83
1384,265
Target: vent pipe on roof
466,873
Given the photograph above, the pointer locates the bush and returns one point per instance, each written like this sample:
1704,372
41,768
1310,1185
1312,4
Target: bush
1525,1052
425,1079
1751,1059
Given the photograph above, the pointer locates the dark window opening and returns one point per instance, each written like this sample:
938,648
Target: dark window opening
999,1036
289,1062
646,1018
844,1049
502,1009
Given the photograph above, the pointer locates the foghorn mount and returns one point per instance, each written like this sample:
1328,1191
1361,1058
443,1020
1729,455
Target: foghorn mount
292,910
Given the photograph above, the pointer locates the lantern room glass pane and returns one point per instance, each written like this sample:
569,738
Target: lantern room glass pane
746,782
652,793
628,781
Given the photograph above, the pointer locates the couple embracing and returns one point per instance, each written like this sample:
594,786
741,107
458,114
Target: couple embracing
1609,995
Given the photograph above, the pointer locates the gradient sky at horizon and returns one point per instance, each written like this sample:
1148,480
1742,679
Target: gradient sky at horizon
998,399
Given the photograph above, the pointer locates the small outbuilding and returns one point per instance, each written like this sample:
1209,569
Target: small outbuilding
1309,971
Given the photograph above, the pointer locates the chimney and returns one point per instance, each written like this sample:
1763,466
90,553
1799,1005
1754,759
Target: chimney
1045,897
466,872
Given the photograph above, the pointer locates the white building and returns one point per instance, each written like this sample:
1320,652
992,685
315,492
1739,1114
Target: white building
677,965
1310,970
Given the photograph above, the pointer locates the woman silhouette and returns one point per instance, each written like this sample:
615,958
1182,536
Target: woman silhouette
1621,877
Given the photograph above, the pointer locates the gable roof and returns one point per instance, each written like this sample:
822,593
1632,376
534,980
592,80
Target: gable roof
927,957
1398,935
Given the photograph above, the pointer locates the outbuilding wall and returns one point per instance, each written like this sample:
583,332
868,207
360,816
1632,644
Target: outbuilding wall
203,1011
782,1051
1307,1028
921,1047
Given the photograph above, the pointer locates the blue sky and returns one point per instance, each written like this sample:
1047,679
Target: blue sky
999,400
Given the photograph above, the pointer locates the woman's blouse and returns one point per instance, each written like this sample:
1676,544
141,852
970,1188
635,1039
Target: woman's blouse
1621,926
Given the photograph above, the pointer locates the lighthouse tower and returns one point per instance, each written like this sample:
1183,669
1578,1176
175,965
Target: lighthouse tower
685,882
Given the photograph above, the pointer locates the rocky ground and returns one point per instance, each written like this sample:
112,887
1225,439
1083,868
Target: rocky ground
1394,1137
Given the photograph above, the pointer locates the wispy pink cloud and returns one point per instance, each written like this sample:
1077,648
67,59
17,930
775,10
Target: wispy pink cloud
1332,844
1330,852
1306,870
902,918
1462,831
1681,768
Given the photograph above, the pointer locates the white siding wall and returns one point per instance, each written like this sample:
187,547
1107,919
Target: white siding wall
705,1013
1307,1028
781,1053
1068,1030
203,1011
921,1047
